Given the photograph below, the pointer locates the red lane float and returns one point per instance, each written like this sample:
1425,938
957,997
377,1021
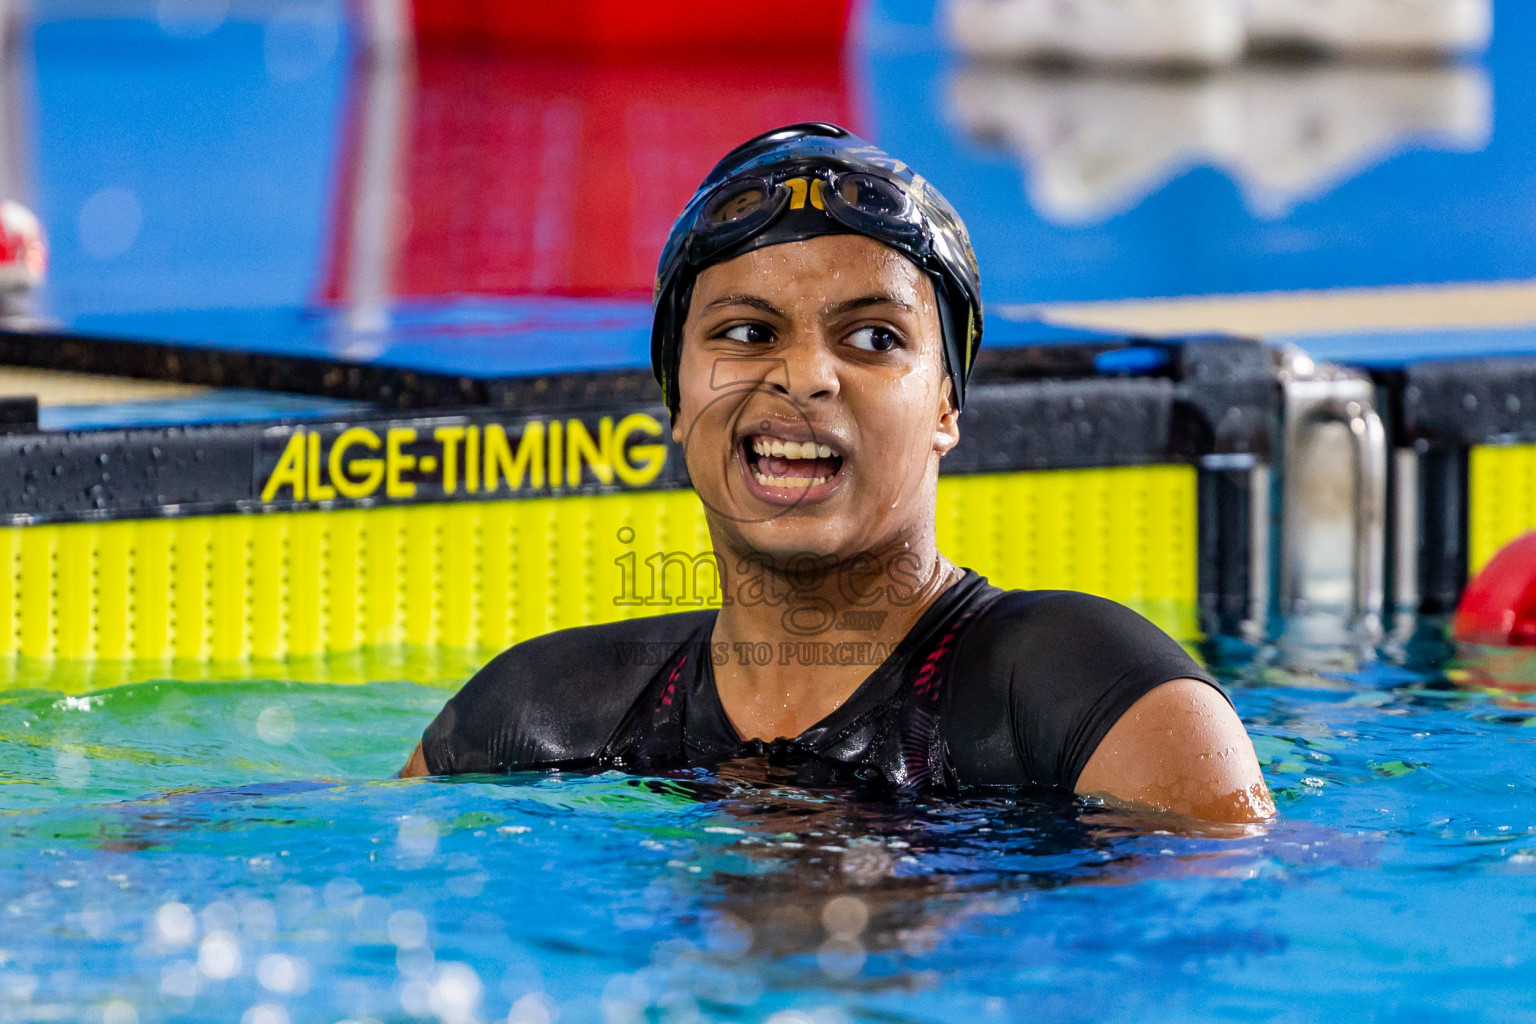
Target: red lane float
23,251
1499,605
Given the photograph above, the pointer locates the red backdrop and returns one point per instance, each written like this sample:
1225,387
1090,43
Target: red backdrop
539,159
689,28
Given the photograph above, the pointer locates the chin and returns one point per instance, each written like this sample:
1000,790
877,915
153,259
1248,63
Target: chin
789,536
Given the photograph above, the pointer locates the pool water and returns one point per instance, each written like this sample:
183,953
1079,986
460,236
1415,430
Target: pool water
236,850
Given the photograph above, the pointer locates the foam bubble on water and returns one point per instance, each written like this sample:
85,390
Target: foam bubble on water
919,941
790,1017
97,921
840,958
265,1013
275,724
342,895
407,929
416,997
180,979
295,902
728,936
219,917
415,963
371,913
625,999
417,837
680,1009
830,1015
19,988
283,974
844,917
534,1008
218,956
867,862
119,1012
455,993
467,886
174,924
173,704
72,768
258,920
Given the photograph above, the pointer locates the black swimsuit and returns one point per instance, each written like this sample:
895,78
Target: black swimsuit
990,687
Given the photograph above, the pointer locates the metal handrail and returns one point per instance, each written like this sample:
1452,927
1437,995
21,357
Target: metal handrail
1332,397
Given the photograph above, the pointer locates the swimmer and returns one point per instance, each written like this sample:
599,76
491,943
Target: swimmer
817,313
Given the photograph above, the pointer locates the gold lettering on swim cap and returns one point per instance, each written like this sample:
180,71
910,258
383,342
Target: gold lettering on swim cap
801,189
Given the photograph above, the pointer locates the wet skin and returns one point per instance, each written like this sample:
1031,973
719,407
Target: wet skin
814,411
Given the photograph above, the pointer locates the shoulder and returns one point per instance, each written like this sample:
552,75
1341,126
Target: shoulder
1209,770
554,698
1063,625
570,665
1033,606
1040,676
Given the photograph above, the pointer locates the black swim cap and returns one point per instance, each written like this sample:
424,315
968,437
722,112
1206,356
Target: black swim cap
803,181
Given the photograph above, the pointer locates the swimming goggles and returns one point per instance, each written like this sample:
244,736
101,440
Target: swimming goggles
744,207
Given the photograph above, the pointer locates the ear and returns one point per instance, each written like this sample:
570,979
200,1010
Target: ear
946,433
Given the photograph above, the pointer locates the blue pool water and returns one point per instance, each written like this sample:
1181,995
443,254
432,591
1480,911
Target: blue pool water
235,850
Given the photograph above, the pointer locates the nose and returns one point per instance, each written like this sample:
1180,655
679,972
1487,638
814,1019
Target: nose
811,367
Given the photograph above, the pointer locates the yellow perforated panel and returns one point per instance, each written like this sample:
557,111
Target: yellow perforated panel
486,574
1124,533
1501,499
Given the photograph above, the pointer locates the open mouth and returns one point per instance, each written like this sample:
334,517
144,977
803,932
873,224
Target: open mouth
793,466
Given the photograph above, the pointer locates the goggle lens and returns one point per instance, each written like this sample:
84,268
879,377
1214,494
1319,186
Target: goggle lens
872,196
734,205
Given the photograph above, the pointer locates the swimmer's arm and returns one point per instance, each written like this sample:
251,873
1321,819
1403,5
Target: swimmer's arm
1180,748
416,767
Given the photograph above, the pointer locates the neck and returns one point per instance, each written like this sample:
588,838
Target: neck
844,615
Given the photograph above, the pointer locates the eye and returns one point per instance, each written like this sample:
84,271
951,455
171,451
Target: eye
874,339
750,334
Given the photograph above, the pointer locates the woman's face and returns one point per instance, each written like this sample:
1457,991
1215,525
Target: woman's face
814,404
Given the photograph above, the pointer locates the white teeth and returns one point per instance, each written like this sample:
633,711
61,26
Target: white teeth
791,449
789,482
